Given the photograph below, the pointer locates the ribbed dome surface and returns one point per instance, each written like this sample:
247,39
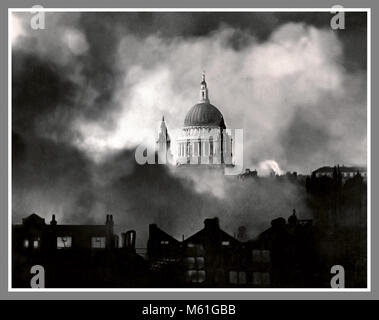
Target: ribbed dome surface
204,114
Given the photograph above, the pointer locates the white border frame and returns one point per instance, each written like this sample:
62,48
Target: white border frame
367,10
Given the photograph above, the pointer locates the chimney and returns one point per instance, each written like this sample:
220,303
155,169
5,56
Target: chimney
152,228
129,239
53,222
123,240
211,223
292,220
116,243
109,220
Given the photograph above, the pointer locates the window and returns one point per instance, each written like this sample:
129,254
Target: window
200,262
98,242
199,251
190,262
64,242
195,249
261,279
237,277
242,277
257,278
26,243
195,276
266,278
225,243
36,243
256,255
194,263
265,255
233,277
261,256
165,242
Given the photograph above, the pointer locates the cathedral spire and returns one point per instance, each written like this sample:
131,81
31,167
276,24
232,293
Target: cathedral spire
163,127
163,135
203,77
203,90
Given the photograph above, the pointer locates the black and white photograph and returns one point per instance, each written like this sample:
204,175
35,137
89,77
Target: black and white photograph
196,149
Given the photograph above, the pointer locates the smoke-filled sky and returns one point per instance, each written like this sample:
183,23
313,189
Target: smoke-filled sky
90,87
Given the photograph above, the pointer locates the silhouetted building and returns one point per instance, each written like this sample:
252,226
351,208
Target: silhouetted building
74,255
345,172
164,256
294,260
248,174
291,253
337,201
209,258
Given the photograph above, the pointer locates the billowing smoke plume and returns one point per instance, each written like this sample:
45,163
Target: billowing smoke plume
91,87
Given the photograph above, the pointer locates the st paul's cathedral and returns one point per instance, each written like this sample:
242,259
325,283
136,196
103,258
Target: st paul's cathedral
203,140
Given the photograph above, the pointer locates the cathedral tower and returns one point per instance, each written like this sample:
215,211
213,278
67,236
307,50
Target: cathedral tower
163,144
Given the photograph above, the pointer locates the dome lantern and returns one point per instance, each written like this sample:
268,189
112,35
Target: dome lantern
204,113
203,90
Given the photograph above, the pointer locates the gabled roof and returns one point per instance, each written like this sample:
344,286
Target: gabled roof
156,232
205,234
33,219
211,233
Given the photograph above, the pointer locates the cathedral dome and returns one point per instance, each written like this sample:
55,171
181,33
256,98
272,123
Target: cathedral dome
204,114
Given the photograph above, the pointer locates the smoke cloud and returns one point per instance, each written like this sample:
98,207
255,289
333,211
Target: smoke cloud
90,88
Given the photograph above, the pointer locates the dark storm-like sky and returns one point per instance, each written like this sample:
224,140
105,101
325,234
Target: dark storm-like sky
90,87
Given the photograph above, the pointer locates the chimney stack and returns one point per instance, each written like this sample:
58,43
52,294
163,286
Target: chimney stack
211,223
53,222
109,220
129,239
